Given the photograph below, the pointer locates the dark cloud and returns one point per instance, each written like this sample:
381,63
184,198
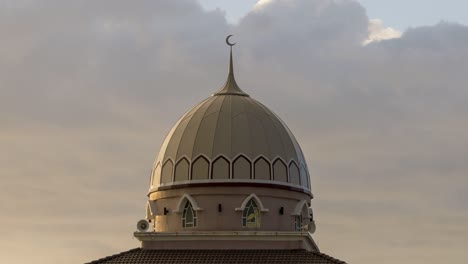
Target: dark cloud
89,89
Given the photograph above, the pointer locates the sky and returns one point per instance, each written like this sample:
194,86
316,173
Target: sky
399,14
377,101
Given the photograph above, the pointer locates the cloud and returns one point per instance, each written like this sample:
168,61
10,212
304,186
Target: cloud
261,3
89,90
377,32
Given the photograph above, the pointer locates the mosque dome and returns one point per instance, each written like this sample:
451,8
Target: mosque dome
232,138
230,182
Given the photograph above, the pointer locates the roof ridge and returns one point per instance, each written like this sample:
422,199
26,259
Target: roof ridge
139,255
328,257
114,256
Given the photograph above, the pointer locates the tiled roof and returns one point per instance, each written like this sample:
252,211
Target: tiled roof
141,256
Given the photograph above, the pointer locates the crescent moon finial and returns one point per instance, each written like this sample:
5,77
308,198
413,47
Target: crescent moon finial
229,43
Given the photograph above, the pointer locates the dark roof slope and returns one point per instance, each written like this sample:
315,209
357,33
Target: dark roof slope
140,256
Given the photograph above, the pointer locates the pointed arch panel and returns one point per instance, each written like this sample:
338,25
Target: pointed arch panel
167,171
156,175
182,170
262,170
304,177
280,172
294,177
241,168
200,169
220,168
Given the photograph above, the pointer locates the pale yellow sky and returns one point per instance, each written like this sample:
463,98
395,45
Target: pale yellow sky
90,88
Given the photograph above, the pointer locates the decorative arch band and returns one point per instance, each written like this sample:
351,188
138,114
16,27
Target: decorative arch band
241,167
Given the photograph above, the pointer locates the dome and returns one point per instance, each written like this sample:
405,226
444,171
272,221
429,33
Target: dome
230,138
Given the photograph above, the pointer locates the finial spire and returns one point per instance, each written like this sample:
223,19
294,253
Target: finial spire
230,87
231,65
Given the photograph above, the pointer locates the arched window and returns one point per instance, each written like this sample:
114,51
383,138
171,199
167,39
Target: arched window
301,215
298,222
251,215
189,216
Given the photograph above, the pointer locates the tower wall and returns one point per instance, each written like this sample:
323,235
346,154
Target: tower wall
220,208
